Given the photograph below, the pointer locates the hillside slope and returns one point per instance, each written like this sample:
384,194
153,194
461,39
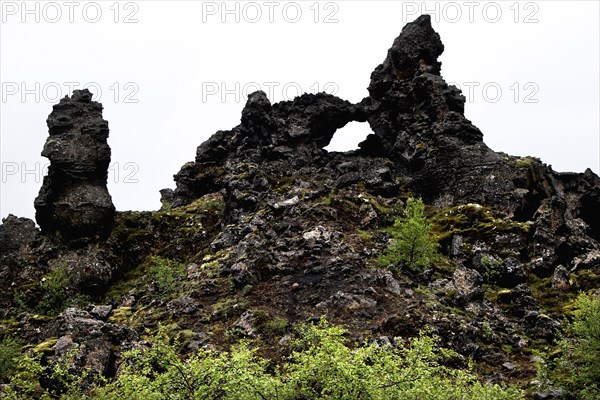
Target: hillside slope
266,229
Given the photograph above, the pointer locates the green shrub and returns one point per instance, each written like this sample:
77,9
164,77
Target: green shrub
164,274
412,242
157,373
9,350
577,368
54,292
326,367
51,379
490,266
25,380
322,365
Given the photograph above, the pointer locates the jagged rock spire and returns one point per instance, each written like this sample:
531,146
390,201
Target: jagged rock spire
74,201
411,103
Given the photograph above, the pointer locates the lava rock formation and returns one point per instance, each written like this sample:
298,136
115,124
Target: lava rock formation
266,225
74,200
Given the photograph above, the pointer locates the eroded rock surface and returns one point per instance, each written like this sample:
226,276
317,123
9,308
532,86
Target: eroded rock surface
74,200
266,229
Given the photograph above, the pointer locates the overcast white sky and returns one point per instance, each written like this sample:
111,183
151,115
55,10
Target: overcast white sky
170,74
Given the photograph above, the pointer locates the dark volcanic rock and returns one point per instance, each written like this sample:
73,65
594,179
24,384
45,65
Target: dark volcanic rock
74,201
92,340
22,251
410,101
272,169
266,228
421,138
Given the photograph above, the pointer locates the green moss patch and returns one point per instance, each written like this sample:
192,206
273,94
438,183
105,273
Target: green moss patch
473,220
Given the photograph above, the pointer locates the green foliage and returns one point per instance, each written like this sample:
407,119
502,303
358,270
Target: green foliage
227,307
54,292
281,184
9,350
577,369
328,200
213,202
158,373
164,274
322,365
24,382
326,367
275,326
51,379
155,278
486,331
490,266
412,242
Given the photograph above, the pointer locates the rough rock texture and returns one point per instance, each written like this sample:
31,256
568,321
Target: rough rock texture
94,339
266,229
74,201
22,247
506,222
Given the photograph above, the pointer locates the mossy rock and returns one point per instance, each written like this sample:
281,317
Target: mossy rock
281,184
227,308
121,315
526,162
46,347
473,220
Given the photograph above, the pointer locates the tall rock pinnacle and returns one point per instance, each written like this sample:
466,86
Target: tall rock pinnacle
74,200
411,102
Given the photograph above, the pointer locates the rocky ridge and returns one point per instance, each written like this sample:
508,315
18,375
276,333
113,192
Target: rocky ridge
266,228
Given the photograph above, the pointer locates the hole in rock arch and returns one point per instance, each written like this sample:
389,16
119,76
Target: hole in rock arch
349,136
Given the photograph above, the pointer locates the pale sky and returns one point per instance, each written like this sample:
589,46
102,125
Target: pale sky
170,74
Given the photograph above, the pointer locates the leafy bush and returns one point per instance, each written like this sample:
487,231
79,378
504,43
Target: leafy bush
577,368
490,266
54,292
9,350
164,274
322,365
412,242
157,373
50,379
325,367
